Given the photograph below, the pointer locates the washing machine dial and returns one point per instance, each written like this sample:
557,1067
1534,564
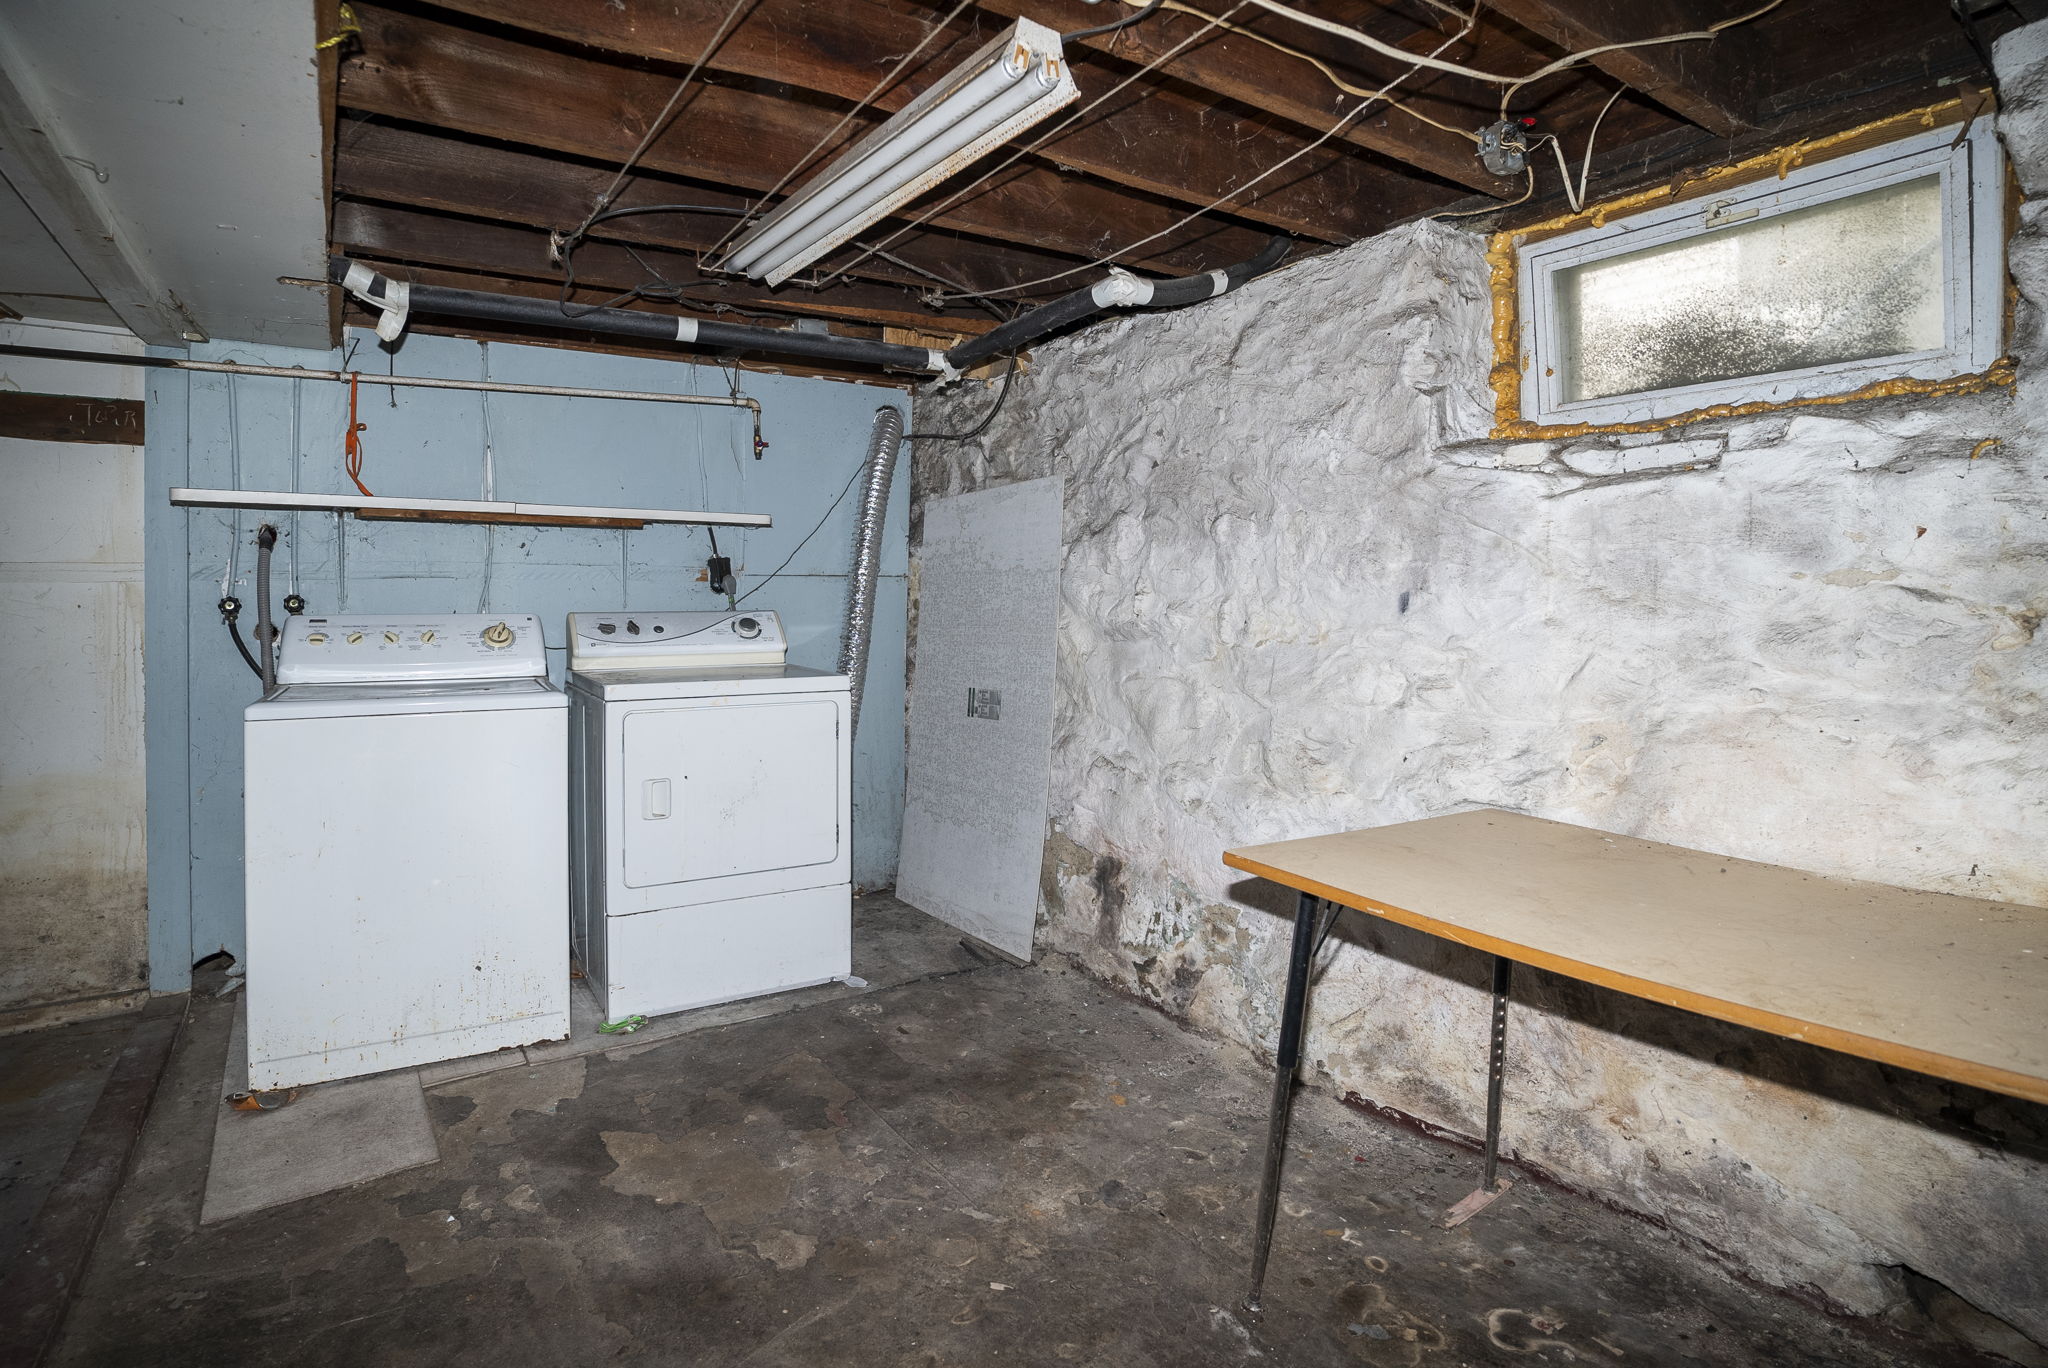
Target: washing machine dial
427,637
354,638
391,638
497,636
747,627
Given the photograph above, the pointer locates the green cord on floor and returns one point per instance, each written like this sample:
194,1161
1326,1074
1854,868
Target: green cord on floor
623,1026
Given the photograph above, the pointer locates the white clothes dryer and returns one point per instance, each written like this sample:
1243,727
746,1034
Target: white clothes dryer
711,819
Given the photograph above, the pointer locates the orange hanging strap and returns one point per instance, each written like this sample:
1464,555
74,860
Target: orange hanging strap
352,442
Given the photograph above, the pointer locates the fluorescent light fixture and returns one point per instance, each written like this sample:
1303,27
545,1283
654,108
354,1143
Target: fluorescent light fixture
1002,90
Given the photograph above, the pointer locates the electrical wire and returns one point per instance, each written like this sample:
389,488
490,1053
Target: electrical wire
1435,63
978,428
1153,65
844,490
1114,25
1333,130
1577,196
976,431
1320,65
671,294
654,129
796,169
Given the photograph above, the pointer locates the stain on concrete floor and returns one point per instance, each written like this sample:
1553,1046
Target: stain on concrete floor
997,1166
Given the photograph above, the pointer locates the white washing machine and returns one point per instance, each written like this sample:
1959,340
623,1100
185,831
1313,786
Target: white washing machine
712,811
406,847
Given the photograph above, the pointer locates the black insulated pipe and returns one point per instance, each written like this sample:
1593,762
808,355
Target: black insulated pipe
546,313
1118,291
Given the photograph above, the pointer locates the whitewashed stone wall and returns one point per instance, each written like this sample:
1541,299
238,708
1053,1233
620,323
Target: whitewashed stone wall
1302,593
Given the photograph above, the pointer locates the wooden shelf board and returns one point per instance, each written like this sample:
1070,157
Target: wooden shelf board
458,510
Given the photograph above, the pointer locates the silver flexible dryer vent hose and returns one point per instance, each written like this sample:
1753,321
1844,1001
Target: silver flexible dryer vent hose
867,551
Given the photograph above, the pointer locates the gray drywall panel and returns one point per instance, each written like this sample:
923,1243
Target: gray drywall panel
974,811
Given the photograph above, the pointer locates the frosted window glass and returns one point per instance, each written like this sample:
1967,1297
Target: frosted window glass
1855,278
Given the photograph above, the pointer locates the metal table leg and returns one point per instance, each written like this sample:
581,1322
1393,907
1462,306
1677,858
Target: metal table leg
1490,1186
1287,1057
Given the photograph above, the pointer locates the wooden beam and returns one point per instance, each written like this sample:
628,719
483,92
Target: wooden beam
533,520
414,236
70,418
36,164
408,166
1714,83
1147,136
450,77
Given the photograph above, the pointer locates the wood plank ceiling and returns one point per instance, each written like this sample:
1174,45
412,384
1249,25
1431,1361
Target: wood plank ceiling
466,131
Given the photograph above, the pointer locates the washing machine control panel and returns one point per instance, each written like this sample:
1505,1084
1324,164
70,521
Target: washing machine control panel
367,649
675,640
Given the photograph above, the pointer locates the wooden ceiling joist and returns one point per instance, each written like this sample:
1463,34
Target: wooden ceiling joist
467,130
1241,68
394,234
1713,83
1146,136
426,170
439,74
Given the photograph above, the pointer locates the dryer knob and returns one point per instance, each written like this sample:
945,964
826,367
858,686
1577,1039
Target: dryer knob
747,627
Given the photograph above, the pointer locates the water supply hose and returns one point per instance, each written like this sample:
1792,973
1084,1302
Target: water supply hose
880,470
266,635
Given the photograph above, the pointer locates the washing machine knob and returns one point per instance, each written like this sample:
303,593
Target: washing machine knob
747,627
497,635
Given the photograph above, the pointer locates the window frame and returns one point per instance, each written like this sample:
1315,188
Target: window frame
1971,166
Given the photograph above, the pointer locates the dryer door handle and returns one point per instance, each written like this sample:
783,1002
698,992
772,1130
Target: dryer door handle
654,800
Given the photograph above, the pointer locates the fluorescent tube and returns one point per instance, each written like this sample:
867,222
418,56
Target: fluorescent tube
1008,86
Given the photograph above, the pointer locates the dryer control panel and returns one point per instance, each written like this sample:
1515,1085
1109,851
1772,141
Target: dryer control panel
675,640
373,649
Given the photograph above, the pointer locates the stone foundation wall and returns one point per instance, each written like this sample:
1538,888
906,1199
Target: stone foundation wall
1302,592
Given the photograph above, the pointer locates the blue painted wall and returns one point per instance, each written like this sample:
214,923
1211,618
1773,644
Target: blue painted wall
210,431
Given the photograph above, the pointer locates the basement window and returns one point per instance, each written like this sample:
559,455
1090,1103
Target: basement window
1880,265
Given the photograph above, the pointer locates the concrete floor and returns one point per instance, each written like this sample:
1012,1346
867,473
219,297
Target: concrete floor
985,1164
49,1081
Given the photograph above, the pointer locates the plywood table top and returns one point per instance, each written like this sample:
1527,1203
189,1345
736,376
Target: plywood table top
1950,986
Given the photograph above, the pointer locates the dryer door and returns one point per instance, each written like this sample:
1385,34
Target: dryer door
727,787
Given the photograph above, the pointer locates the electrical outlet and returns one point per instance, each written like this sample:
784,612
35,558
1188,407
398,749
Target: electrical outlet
986,704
